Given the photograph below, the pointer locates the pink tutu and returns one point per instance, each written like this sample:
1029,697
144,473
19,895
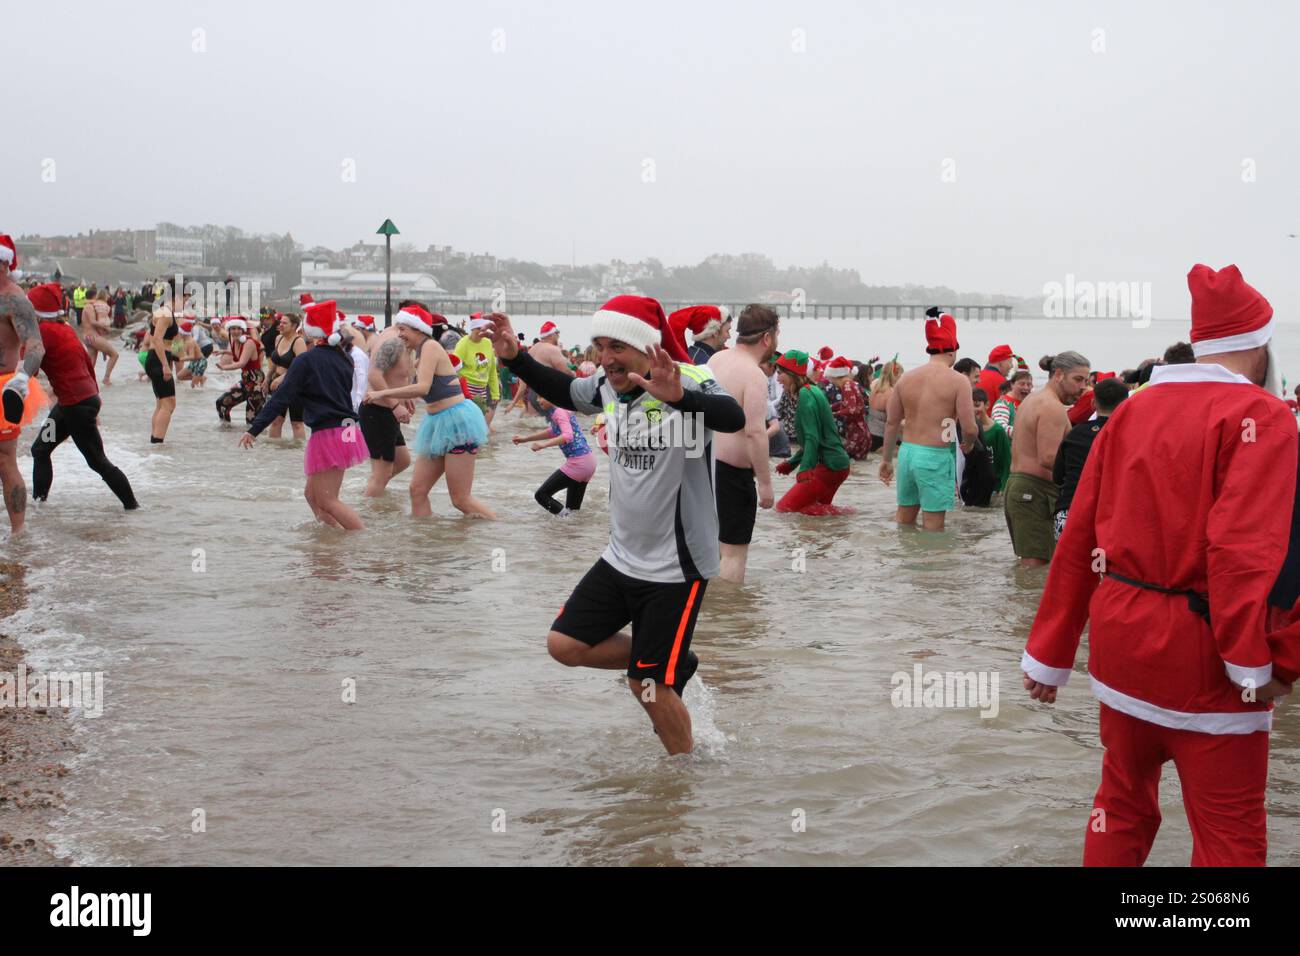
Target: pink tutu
340,447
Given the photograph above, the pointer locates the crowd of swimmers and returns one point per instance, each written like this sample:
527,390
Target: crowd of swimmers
1163,497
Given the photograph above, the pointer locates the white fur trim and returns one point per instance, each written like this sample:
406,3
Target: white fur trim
1235,343
1257,676
624,328
48,315
712,327
414,321
6,254
237,324
1195,372
1037,670
1212,722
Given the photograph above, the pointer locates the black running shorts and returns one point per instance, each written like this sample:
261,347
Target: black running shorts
662,616
737,496
382,431
162,388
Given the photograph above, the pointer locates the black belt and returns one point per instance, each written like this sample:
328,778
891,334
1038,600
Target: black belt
1197,603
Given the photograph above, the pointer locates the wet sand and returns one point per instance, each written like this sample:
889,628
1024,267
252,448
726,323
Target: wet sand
35,747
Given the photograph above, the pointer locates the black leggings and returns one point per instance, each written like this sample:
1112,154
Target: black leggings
79,422
574,490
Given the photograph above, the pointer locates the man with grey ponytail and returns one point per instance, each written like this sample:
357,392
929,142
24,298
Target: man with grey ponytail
1029,498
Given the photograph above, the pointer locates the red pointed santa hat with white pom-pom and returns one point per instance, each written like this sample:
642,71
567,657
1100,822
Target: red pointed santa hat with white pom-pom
8,252
321,321
548,329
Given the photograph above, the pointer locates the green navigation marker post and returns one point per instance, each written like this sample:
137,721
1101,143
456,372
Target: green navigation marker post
388,230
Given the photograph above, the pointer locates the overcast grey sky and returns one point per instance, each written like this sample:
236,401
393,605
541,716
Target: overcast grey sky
806,131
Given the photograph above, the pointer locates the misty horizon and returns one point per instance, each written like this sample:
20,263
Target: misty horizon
993,151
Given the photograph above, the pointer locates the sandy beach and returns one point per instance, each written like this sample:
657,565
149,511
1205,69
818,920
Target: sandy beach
35,747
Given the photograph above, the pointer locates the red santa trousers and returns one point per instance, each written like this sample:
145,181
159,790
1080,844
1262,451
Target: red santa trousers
1223,777
813,490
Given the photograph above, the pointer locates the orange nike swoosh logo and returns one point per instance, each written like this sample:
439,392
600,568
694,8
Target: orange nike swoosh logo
641,663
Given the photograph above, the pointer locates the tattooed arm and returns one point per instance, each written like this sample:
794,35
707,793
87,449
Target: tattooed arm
19,311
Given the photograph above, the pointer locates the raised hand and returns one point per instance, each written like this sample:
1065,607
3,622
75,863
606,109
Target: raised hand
504,341
665,381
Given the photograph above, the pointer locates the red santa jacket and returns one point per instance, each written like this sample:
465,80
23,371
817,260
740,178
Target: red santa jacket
1189,486
991,380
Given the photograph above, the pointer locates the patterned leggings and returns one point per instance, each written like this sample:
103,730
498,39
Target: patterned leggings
248,390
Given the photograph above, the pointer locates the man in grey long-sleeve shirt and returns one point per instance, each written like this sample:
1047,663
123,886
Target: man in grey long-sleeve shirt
660,413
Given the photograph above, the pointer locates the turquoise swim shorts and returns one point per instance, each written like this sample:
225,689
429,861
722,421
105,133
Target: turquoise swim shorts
927,476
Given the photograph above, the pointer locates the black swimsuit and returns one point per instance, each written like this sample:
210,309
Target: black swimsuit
162,388
284,360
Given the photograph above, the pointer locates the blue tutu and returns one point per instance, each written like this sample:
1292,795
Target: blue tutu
456,430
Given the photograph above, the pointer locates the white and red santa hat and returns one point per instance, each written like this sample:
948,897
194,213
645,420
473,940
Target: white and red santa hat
477,321
548,328
305,299
701,320
1229,315
46,300
418,318
640,322
839,367
940,332
321,320
8,252
234,322
366,322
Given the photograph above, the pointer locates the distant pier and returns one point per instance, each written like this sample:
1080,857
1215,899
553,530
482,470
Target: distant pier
811,310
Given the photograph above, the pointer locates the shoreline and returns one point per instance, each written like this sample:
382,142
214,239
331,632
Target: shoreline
34,747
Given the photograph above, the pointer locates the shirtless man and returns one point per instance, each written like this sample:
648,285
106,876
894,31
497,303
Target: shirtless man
365,324
1029,498
382,419
19,333
741,457
547,351
926,402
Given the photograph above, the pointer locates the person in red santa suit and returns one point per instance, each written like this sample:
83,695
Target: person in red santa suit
1001,361
1177,531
